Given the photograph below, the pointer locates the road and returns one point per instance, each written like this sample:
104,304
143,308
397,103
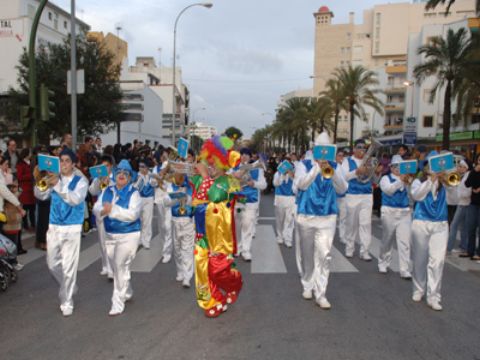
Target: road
372,315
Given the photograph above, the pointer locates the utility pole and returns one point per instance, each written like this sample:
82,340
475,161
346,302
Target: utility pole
32,72
73,74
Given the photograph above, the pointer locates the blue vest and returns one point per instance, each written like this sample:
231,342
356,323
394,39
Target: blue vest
147,190
114,226
398,200
188,208
285,189
63,214
320,199
251,193
432,210
355,187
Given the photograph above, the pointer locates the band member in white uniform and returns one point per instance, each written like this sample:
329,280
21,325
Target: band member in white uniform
165,215
119,207
183,227
95,189
396,220
146,190
67,193
245,215
342,210
316,222
429,238
359,202
285,207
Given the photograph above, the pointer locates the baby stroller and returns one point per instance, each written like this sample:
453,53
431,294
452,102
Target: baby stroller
8,254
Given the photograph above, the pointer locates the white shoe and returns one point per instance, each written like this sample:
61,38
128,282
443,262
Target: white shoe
186,283
288,245
406,276
417,297
104,272
307,294
324,303
435,305
114,312
279,241
18,266
179,278
146,247
128,297
382,270
349,255
247,257
166,259
366,257
67,312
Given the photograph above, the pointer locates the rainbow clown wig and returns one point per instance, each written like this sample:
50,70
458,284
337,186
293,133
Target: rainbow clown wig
218,151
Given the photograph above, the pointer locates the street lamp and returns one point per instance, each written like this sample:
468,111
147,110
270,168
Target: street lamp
208,6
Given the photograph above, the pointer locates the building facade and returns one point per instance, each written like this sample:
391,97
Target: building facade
379,43
203,131
16,18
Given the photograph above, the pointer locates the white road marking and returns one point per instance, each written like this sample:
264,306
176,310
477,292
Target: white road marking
266,255
146,260
340,263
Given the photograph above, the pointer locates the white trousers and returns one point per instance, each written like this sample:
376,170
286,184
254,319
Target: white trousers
245,221
315,240
429,244
106,266
63,252
358,223
146,220
341,219
183,241
121,250
165,229
396,223
284,223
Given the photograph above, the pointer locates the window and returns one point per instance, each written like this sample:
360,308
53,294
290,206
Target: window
65,24
378,18
428,121
50,16
475,118
357,49
377,32
377,47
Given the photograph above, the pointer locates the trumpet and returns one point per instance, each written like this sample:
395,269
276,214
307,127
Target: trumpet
451,178
104,182
44,183
327,171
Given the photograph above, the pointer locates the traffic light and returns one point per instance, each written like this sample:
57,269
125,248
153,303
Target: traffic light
25,115
47,106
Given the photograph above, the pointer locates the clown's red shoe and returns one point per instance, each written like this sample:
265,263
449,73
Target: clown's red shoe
215,311
231,298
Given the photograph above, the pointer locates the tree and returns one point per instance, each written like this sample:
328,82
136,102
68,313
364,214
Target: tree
336,99
294,117
432,4
446,59
358,87
319,115
98,108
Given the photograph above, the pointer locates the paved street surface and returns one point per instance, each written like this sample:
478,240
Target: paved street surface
372,315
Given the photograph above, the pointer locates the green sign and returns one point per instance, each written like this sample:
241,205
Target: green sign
476,134
464,135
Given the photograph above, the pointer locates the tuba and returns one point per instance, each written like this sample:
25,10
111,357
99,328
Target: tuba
370,161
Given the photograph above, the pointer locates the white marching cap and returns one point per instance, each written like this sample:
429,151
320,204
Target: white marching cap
323,139
396,159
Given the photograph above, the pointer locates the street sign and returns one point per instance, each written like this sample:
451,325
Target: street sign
410,138
80,82
410,125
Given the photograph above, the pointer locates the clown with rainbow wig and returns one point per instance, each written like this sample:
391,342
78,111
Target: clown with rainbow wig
217,281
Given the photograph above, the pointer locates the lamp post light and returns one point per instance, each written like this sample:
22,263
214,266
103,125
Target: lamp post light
408,84
208,6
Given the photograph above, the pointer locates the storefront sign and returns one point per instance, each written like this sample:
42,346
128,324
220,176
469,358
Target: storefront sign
410,138
464,135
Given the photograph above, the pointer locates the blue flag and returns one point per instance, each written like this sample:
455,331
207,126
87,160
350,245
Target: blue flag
49,163
408,167
442,162
284,167
182,148
325,152
98,171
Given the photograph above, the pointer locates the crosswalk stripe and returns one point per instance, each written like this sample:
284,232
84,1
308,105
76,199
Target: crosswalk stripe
340,263
89,256
32,255
266,255
375,251
146,260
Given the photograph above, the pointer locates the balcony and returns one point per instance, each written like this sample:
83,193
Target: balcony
394,126
394,107
396,69
395,89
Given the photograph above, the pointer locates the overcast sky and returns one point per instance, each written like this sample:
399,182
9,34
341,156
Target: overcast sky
237,58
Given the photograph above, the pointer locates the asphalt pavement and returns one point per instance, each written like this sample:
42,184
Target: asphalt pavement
372,315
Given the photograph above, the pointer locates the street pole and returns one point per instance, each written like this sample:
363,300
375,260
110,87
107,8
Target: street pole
73,74
32,71
174,87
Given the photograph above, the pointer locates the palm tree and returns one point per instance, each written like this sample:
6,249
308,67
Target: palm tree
294,118
445,59
359,89
336,99
432,4
319,115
